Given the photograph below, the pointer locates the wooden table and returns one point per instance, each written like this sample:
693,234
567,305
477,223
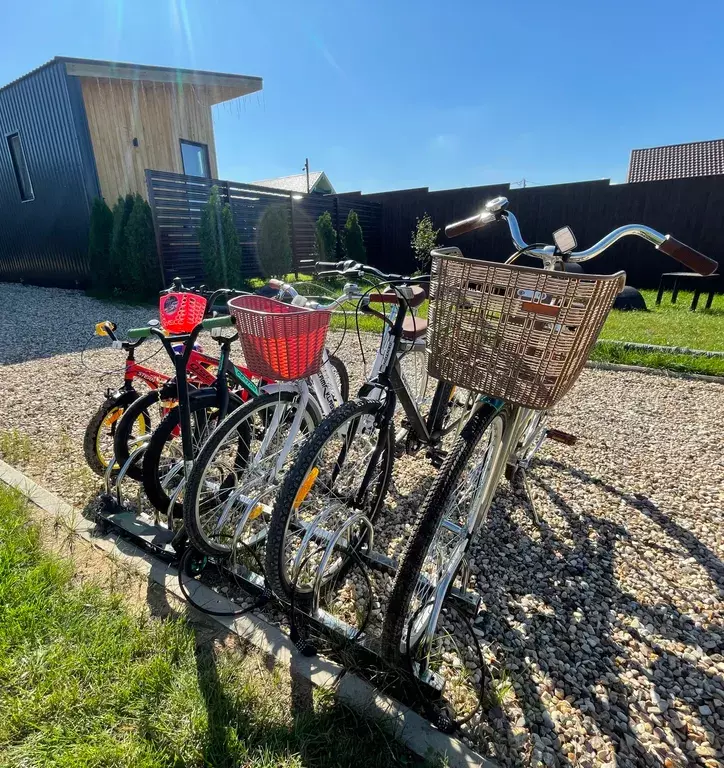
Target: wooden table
701,283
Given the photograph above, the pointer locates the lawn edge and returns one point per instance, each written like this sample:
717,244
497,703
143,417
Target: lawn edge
412,730
665,372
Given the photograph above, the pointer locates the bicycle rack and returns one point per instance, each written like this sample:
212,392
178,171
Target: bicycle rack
116,512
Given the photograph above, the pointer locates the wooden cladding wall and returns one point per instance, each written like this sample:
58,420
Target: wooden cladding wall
688,209
158,115
177,201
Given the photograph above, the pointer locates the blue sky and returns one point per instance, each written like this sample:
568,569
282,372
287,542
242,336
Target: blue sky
387,95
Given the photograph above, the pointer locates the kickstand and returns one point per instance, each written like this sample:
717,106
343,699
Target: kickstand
523,474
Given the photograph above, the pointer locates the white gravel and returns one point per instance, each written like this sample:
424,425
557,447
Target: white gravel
609,618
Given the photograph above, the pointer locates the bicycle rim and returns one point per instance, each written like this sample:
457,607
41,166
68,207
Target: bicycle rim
235,477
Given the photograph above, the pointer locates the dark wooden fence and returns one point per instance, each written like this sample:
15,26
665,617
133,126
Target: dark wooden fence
692,210
177,201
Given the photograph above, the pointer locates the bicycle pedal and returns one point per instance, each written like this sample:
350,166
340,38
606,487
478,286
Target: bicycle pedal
561,437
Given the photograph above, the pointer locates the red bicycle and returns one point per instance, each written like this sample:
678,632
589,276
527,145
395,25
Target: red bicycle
101,442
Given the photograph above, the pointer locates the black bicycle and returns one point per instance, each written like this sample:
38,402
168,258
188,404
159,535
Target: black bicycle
335,487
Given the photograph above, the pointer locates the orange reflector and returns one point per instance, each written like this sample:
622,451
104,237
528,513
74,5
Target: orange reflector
100,328
113,417
306,487
258,509
453,390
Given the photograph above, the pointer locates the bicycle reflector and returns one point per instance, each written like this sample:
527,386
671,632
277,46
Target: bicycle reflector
306,487
101,327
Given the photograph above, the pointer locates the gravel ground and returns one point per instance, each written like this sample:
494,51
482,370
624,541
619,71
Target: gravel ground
607,620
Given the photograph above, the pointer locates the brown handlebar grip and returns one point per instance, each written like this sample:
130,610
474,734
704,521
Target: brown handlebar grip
701,264
468,225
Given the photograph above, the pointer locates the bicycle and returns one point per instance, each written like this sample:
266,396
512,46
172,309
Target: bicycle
162,464
521,336
236,473
334,489
124,420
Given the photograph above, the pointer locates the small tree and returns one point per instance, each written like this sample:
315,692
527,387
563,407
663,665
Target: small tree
424,239
117,262
273,244
354,247
219,242
325,238
143,273
99,245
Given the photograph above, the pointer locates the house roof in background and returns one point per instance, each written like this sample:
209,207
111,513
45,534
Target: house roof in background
677,161
296,182
224,86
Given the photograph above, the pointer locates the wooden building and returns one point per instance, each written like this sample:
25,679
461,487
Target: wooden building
75,129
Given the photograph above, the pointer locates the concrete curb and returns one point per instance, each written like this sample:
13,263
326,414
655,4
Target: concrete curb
658,348
407,726
655,372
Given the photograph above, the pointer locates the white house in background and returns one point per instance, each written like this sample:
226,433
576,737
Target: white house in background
318,183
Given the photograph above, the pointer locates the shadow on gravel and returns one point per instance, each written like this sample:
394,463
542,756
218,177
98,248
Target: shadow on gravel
572,630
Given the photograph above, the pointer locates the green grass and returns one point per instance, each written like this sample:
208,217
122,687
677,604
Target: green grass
84,682
670,325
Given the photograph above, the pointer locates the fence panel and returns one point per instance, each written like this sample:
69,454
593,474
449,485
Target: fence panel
690,209
178,200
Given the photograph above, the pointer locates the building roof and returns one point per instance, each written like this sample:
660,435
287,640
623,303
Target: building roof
298,182
677,161
221,85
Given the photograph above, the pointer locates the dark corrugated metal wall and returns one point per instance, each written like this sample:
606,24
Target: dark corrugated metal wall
45,240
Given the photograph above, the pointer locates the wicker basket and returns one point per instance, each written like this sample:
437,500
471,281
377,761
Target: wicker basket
512,332
282,342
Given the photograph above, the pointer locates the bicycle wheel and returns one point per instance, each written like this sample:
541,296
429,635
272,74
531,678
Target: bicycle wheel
237,473
138,422
163,466
342,470
342,376
98,440
460,494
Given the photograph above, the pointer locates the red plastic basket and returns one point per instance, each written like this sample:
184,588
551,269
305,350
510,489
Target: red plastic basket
281,342
180,312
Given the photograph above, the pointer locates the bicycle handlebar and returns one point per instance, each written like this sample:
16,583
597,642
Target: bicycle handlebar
478,221
497,209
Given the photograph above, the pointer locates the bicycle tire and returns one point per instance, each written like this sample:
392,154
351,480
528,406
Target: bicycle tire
91,450
140,407
341,370
199,399
193,525
431,513
275,574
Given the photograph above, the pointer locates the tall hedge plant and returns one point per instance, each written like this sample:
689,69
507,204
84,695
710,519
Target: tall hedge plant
354,247
99,246
219,243
274,246
141,266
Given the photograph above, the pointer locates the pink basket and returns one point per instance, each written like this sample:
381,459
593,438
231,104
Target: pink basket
181,312
281,342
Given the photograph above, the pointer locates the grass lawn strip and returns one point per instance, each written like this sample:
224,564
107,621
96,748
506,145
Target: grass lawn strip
86,680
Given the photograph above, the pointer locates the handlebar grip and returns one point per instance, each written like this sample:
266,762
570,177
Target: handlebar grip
139,333
468,225
222,321
325,264
687,256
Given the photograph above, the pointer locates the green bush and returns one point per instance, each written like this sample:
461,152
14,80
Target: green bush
219,242
424,239
273,245
142,265
99,245
117,274
325,239
354,247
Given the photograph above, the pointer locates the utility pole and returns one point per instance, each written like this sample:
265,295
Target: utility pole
306,168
